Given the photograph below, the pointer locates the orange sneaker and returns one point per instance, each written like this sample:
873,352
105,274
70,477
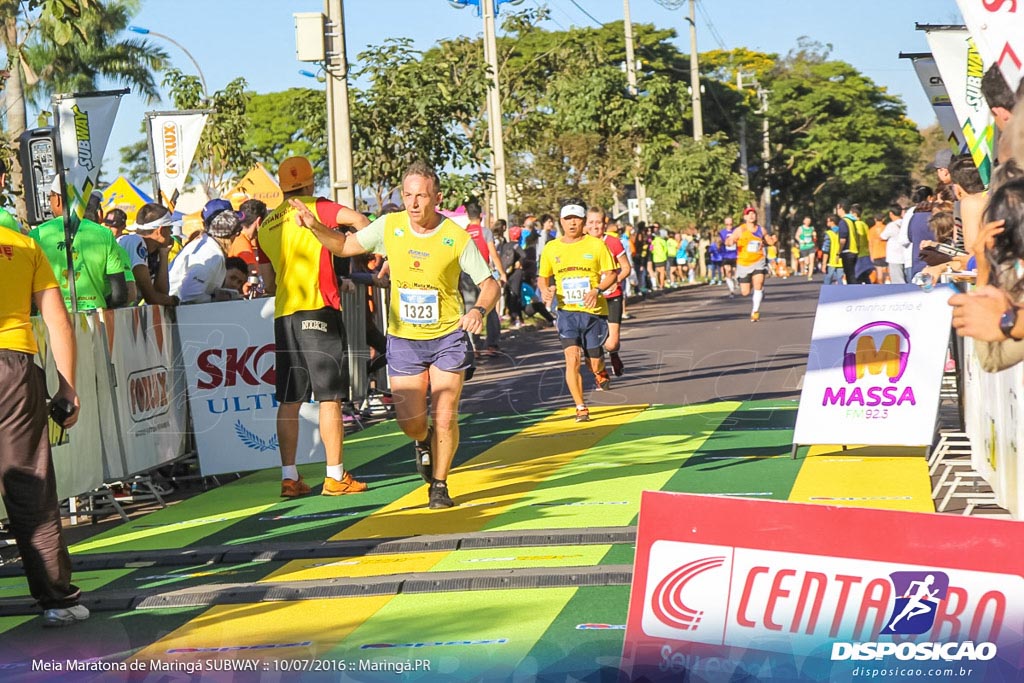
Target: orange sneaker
293,488
333,487
755,316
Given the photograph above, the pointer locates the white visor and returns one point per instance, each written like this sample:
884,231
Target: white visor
156,224
55,185
573,211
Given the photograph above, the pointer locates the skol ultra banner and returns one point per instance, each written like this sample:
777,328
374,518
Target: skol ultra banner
997,27
962,69
730,589
229,357
935,89
875,366
83,123
173,140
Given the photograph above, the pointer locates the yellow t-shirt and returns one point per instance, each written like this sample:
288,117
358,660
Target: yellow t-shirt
577,267
306,280
24,271
425,268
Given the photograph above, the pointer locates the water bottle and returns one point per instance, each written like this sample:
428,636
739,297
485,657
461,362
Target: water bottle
924,281
255,286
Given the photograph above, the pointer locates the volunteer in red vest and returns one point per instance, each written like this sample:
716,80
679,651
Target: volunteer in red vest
428,349
751,265
308,330
595,227
484,240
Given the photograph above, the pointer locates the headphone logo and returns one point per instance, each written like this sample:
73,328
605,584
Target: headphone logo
889,357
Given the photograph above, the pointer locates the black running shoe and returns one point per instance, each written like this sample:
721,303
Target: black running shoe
424,456
617,365
439,498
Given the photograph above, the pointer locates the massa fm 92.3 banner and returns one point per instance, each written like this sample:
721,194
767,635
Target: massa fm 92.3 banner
751,590
875,366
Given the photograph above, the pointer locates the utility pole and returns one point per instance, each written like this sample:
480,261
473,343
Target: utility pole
744,163
494,124
339,128
698,121
641,191
767,152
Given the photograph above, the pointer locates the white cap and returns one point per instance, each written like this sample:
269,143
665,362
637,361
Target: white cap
573,211
55,185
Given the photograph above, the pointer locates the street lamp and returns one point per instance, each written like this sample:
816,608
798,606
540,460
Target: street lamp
488,9
146,32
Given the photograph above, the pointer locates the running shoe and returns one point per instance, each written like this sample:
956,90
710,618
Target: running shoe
582,415
64,616
603,381
293,488
439,498
755,316
334,487
617,365
424,456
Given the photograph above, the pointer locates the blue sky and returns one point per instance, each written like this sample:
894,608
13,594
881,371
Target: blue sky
255,38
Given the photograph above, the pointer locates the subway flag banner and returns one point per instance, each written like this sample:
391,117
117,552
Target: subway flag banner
875,366
730,589
962,69
83,123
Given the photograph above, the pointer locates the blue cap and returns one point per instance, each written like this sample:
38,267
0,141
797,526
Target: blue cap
215,206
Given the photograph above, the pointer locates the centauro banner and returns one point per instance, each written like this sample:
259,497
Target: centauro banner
935,89
83,123
962,69
173,140
997,27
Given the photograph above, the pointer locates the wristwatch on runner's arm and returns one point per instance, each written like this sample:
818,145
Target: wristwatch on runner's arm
1007,323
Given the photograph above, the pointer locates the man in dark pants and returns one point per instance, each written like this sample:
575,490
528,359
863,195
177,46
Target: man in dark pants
27,481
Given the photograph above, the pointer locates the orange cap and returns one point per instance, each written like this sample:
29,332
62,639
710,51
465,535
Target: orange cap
294,173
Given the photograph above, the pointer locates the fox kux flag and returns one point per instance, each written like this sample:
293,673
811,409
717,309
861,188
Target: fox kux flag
82,122
173,140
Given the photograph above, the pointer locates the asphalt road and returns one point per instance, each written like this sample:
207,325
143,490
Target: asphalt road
687,346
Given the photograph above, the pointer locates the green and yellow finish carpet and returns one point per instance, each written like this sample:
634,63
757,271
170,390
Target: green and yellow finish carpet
527,578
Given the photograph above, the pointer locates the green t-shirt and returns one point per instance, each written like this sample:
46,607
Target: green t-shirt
805,237
9,221
659,250
96,255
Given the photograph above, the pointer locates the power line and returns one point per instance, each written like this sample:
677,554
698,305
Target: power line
552,18
711,26
592,17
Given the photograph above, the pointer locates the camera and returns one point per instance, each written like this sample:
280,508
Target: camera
60,410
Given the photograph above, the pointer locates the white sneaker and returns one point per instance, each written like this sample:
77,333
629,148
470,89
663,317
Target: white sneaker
65,616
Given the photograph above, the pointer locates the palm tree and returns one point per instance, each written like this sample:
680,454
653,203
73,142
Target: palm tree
79,67
44,56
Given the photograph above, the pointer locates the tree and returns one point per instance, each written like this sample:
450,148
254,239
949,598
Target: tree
407,113
79,66
289,123
696,182
222,153
834,134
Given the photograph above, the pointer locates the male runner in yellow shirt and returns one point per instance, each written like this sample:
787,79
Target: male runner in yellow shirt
582,267
428,350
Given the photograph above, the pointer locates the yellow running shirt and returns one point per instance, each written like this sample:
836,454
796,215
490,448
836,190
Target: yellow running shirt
425,269
750,246
577,267
306,280
24,271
